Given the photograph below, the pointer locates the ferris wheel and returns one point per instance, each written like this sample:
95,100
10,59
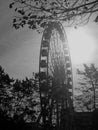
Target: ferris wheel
55,74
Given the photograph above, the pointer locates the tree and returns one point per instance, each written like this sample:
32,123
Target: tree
88,85
19,99
37,13
25,100
5,90
5,97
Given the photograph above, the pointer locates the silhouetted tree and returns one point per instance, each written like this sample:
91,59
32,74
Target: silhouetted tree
19,100
5,90
25,100
37,13
88,86
5,97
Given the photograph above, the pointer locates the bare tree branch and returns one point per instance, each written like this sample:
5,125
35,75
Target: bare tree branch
37,13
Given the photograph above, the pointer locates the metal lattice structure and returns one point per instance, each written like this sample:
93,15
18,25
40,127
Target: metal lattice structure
56,81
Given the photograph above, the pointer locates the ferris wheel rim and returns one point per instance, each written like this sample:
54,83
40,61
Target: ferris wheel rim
45,43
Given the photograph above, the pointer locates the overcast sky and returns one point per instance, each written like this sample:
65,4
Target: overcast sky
19,49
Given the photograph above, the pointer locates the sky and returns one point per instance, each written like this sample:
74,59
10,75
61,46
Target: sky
19,49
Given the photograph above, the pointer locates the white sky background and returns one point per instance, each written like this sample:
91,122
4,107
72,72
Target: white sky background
19,49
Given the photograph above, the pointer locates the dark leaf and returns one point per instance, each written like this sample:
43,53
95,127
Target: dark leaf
33,17
14,20
15,9
25,17
22,1
11,5
29,14
21,12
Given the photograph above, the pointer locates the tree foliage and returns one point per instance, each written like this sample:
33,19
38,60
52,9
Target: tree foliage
88,86
5,90
37,13
19,99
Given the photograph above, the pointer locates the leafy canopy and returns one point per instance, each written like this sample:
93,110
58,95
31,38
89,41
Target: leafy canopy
37,13
88,87
19,100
